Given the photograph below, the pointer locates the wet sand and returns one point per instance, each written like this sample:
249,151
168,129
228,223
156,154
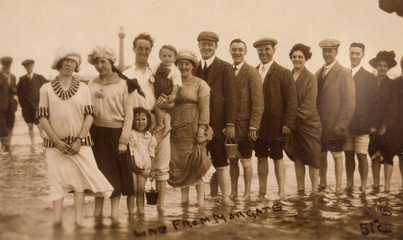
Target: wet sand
26,211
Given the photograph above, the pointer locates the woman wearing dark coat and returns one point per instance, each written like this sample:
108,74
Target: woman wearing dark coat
379,146
305,145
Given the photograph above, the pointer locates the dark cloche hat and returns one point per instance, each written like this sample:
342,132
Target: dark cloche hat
387,56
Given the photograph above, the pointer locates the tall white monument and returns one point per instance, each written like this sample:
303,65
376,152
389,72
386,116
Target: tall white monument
121,65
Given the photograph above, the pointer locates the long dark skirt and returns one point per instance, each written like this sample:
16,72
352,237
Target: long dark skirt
115,167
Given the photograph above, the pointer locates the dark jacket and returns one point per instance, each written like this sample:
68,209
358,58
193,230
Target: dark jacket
384,92
280,102
28,91
394,116
335,101
7,93
250,100
223,96
366,100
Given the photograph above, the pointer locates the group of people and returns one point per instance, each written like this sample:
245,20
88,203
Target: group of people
172,122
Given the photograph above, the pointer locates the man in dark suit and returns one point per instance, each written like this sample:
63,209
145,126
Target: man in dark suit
250,109
28,96
335,102
363,121
223,105
280,107
8,102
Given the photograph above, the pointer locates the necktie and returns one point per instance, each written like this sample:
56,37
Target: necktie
205,66
235,68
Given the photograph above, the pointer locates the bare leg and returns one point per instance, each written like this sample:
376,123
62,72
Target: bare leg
141,181
323,170
114,211
376,169
279,168
167,123
57,211
350,167
161,187
214,185
98,211
41,131
200,194
185,195
130,204
247,177
314,174
262,172
363,169
338,166
224,182
234,174
401,167
300,174
388,168
159,114
78,208
31,133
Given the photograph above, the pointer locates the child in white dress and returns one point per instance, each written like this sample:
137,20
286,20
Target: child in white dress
142,146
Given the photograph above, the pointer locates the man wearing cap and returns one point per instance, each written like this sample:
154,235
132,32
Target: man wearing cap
280,107
28,96
366,97
250,109
335,102
8,103
223,105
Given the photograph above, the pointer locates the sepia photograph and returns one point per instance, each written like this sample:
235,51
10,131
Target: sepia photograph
185,119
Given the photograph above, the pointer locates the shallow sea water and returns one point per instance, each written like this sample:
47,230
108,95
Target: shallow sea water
26,211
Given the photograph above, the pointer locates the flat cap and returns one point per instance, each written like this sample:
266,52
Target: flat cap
265,40
27,62
6,60
211,36
329,43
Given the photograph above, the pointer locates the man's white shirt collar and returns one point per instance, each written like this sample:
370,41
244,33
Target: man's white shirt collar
355,69
208,61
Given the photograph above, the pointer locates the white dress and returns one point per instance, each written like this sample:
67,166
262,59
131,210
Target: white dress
142,149
66,111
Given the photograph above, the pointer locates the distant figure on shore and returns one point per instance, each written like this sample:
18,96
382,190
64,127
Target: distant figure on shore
278,119
110,131
364,117
28,97
65,112
394,122
335,103
380,149
304,146
8,102
250,107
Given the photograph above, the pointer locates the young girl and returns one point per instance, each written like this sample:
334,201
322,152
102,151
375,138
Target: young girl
167,80
142,146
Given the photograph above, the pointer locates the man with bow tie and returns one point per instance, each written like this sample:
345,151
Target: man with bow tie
28,96
280,108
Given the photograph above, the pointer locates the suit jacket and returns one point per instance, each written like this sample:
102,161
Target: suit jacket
335,101
394,116
223,96
307,120
28,91
250,100
366,100
7,93
280,102
384,92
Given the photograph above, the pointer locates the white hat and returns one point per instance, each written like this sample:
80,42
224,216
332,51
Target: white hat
102,51
64,52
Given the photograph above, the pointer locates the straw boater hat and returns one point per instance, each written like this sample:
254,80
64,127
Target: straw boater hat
63,53
27,62
187,55
388,57
103,52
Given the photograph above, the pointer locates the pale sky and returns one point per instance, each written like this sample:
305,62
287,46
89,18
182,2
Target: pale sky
36,28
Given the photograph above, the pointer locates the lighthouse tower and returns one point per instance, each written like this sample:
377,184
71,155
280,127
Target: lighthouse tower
121,65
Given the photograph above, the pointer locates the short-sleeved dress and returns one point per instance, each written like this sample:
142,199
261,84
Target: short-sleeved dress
66,111
142,149
112,124
189,162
